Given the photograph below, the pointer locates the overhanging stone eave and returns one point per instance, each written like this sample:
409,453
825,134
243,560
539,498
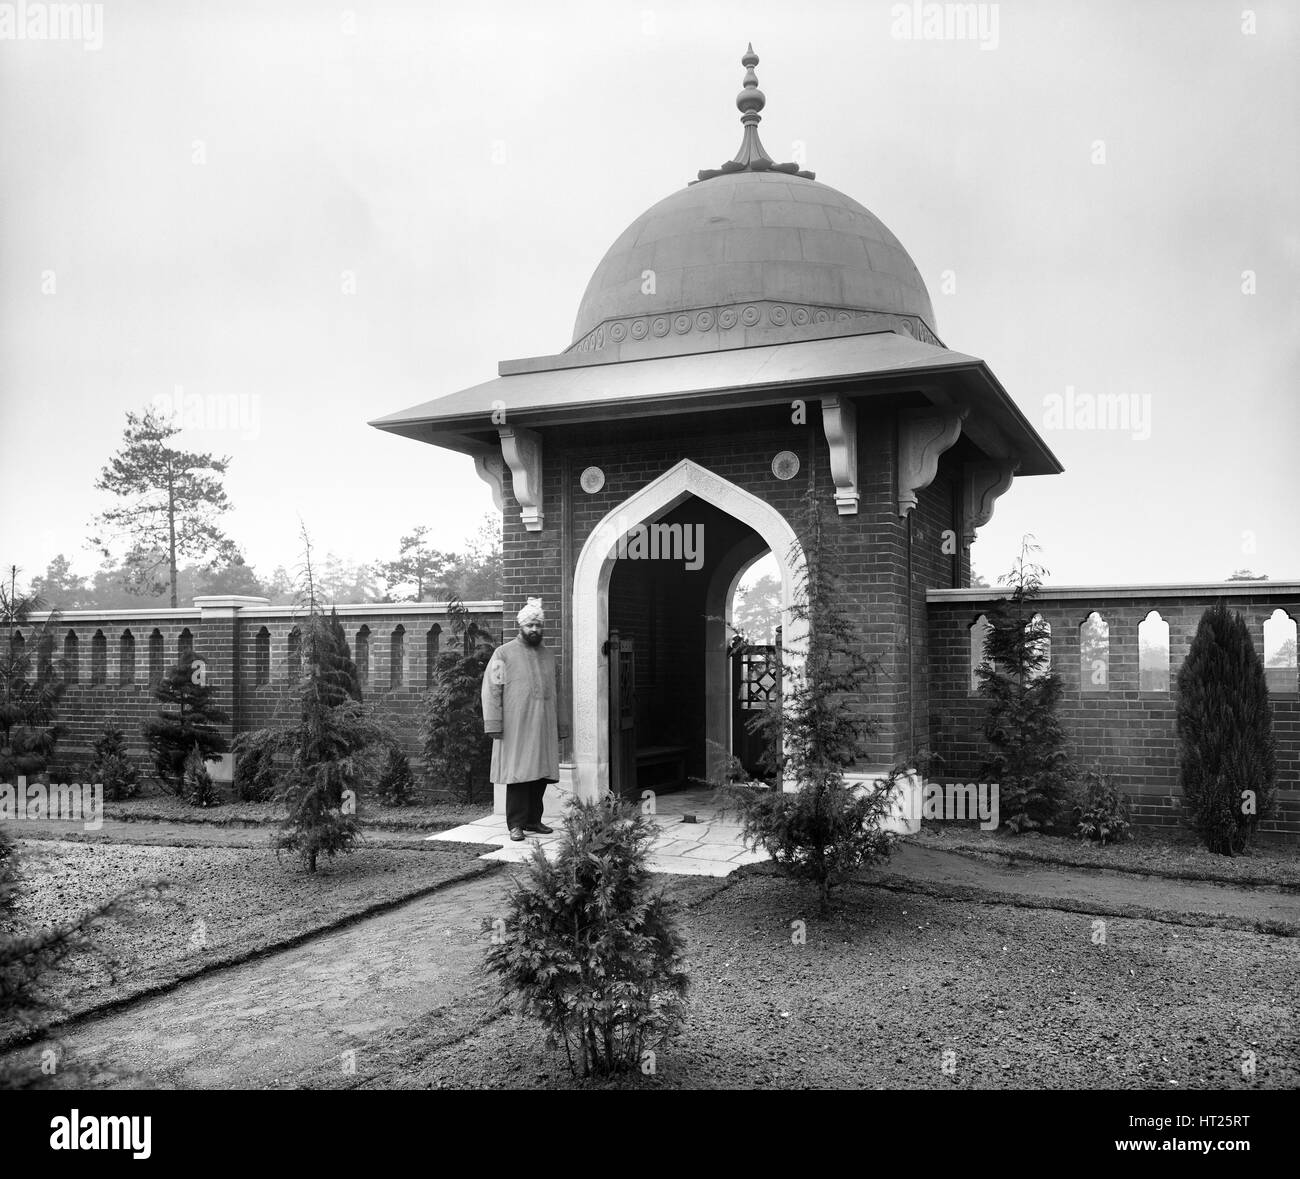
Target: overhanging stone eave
997,426
453,432
860,366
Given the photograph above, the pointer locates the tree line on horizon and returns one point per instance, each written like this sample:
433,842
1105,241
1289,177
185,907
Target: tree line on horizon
167,519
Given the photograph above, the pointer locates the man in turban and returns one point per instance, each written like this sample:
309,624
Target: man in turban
519,713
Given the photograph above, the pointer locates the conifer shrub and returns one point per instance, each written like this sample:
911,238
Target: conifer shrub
825,829
111,766
1101,812
188,717
1226,752
457,753
588,946
259,765
31,684
395,785
327,749
199,788
1028,758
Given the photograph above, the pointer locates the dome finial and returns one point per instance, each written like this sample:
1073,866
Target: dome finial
751,157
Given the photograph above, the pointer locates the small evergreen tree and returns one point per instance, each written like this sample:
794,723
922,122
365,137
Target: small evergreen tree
111,766
30,685
257,764
456,750
188,717
199,790
396,784
1028,759
825,829
328,746
588,947
1227,755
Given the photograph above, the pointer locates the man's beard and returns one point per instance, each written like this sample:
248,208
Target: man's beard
533,640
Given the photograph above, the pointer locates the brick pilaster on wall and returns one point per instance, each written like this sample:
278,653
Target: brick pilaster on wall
217,641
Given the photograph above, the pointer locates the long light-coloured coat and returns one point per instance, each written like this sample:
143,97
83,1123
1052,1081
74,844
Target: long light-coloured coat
519,701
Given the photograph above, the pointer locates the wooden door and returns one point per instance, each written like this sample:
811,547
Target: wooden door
622,716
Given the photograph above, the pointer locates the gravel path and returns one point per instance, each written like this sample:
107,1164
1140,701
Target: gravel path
1269,909
878,994
289,1018
223,902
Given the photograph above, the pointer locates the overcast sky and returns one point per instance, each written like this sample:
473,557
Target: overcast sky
187,189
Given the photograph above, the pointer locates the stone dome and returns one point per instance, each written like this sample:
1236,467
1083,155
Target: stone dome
749,252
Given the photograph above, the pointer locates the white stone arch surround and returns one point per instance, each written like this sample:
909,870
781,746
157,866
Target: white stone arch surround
591,579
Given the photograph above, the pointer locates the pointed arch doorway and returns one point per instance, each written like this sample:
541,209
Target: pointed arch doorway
742,526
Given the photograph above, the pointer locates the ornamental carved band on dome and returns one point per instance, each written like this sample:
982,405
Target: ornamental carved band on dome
767,314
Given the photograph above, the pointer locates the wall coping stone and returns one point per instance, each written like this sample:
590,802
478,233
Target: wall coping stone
1208,589
260,611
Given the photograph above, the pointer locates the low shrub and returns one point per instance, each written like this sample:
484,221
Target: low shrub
257,775
1101,811
395,785
197,782
589,948
111,767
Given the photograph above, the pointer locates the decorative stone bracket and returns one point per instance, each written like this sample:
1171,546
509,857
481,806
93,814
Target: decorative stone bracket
522,451
491,468
983,483
922,438
840,421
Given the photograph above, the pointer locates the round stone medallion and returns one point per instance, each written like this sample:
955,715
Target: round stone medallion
749,317
660,327
727,317
639,329
778,315
704,321
785,465
592,480
617,332
800,315
682,324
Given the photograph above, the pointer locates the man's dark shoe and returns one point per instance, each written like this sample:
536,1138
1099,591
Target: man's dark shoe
539,829
517,834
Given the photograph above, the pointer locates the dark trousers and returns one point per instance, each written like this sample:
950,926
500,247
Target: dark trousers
524,803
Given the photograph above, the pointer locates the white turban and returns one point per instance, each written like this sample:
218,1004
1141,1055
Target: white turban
533,612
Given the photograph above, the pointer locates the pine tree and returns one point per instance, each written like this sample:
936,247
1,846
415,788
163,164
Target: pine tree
1028,759
825,829
31,686
175,500
188,717
418,565
1227,754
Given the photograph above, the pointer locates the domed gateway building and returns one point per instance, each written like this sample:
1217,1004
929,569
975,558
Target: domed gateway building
751,336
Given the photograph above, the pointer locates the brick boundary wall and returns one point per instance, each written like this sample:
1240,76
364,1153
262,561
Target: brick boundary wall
1129,731
249,670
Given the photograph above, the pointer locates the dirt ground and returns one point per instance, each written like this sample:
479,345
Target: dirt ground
924,977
